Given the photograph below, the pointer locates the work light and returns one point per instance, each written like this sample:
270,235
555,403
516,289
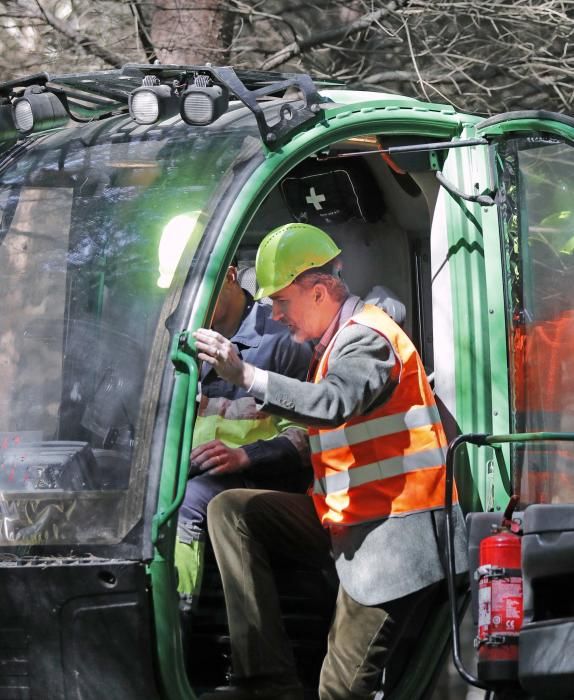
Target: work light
37,110
149,104
202,105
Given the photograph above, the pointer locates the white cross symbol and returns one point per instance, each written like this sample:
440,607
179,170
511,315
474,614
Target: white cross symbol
315,199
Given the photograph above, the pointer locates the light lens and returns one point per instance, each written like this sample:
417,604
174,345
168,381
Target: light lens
197,108
202,105
144,106
38,110
23,115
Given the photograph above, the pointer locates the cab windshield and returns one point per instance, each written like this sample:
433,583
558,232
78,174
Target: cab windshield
99,227
538,212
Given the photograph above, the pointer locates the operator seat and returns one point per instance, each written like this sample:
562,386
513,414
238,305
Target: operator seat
387,300
247,280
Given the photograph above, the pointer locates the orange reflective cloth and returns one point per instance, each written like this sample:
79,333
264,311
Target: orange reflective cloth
413,489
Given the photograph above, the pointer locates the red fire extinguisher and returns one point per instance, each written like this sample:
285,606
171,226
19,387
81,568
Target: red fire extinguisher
500,609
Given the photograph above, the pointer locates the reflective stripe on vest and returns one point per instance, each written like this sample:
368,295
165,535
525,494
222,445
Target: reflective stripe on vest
389,461
393,466
416,417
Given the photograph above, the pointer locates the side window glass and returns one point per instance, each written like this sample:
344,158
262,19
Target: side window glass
95,244
537,174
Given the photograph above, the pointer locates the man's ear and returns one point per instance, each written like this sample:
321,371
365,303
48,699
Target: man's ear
319,293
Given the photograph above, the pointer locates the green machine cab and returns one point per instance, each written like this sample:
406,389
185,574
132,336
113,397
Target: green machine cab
124,195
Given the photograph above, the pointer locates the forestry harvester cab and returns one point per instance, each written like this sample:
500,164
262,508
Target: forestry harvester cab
124,196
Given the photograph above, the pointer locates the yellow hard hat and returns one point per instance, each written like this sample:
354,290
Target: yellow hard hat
287,251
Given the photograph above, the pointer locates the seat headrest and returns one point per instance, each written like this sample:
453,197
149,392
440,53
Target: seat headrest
386,299
247,280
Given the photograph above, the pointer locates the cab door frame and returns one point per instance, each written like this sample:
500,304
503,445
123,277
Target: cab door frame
377,116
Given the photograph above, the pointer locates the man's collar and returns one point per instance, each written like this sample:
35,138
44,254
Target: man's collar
346,310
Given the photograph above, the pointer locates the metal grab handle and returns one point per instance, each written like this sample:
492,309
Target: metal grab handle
187,364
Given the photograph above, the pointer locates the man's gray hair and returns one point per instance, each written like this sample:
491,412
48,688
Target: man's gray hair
328,275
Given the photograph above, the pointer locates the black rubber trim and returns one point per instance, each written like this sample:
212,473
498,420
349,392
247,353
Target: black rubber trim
525,114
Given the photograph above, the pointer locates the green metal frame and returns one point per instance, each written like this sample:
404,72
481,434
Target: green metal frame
173,676
338,123
482,401
496,472
466,240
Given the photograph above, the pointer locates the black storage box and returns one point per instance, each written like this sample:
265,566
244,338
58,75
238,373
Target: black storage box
546,645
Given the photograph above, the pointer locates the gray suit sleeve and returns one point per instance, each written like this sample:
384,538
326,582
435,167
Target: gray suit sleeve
358,380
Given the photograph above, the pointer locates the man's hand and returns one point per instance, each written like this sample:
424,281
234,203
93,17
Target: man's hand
219,352
218,458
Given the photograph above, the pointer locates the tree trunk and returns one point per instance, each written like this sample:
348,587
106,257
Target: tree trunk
182,35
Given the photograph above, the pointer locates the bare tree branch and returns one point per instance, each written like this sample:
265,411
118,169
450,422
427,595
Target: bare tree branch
143,31
486,56
413,58
82,40
329,35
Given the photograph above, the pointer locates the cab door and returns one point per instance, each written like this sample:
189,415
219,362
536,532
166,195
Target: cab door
503,260
502,251
532,159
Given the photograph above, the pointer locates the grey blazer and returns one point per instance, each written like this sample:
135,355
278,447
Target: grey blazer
390,558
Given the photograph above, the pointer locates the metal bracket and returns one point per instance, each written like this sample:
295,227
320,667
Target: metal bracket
490,571
291,117
7,87
248,87
434,161
182,349
496,640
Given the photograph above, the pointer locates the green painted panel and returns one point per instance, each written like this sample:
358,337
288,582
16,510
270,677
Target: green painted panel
497,464
165,601
470,318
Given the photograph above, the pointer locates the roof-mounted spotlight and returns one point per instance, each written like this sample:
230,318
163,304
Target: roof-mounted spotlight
38,110
201,105
152,102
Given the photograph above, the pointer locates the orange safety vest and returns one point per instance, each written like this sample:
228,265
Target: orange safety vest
390,461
